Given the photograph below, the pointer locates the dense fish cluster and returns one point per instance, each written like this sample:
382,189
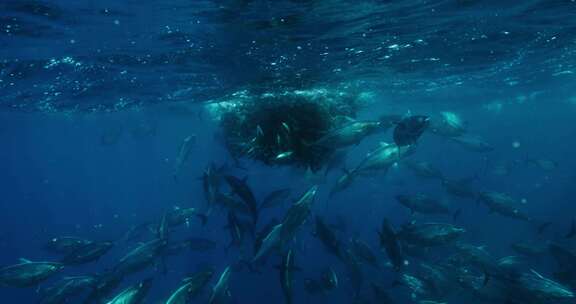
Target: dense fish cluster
405,254
366,152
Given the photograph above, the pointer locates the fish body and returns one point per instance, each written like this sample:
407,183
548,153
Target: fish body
28,273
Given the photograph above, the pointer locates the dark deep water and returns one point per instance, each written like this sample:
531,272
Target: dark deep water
97,96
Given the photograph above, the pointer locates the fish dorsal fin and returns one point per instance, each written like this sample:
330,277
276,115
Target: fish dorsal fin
24,261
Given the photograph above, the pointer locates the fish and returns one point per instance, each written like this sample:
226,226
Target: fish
66,288
409,129
263,233
236,231
28,273
297,215
105,284
503,204
461,188
533,286
140,257
329,279
354,271
364,253
65,244
243,191
343,182
383,157
391,245
272,240
134,294
544,164
200,244
221,291
351,133
211,180
430,234
194,244
423,169
286,270
420,203
137,232
529,249
449,124
88,253
183,155
473,143
328,238
190,288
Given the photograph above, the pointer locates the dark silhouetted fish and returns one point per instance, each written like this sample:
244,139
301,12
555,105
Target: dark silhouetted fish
89,253
183,154
328,238
390,243
241,188
420,203
286,270
409,130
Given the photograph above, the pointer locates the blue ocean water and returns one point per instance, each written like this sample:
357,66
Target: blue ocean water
96,98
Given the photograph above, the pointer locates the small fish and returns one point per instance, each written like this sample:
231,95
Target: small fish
283,156
183,154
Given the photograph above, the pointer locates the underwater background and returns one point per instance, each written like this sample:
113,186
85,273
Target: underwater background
96,98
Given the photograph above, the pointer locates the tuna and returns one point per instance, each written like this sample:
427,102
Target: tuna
220,291
89,253
409,130
350,134
134,294
190,288
430,234
423,204
27,273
